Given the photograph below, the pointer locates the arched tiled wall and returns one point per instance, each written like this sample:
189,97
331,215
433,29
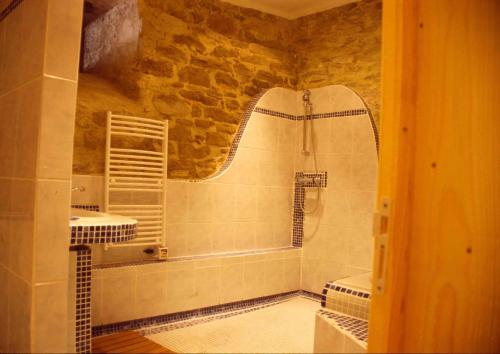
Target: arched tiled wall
249,206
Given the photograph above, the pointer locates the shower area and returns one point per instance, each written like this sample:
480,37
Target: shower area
284,219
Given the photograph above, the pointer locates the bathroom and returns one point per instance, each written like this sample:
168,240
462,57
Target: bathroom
230,171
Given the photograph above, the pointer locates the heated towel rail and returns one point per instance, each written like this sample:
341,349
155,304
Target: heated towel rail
136,176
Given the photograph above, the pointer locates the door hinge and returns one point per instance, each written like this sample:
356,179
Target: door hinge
380,233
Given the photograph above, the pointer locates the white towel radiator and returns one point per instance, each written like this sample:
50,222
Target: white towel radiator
135,180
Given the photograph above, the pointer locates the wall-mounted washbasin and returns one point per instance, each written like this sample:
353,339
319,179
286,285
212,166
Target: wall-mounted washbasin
89,227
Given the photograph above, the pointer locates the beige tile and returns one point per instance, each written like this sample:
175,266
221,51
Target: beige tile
264,237
12,51
362,209
246,203
199,238
223,237
255,280
152,291
337,211
22,228
9,109
181,294
200,203
233,285
363,136
94,190
282,234
275,277
119,296
292,274
55,154
19,315
339,167
177,202
224,202
244,237
51,316
364,171
33,37
176,239
341,136
52,230
208,286
27,127
287,139
64,26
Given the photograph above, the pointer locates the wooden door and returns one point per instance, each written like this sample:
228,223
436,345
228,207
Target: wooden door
440,172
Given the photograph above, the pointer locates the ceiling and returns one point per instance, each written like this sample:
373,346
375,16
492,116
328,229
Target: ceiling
290,9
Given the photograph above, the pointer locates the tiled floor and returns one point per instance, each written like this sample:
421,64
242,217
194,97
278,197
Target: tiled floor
287,327
126,342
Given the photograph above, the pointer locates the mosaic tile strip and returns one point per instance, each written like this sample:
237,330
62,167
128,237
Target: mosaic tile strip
348,113
84,235
353,326
349,301
9,8
89,207
303,180
170,321
83,330
189,258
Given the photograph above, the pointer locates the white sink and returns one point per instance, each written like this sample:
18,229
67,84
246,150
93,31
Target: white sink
81,217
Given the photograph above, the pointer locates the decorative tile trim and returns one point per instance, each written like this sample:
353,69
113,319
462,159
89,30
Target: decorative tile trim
177,320
299,202
83,331
9,8
346,300
352,326
190,258
89,207
339,114
84,235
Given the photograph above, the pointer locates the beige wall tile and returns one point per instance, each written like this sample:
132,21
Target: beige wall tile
19,315
152,294
181,293
51,318
208,286
177,202
255,279
96,315
52,230
200,203
244,237
223,237
199,239
233,284
9,110
27,128
55,153
64,26
177,239
119,295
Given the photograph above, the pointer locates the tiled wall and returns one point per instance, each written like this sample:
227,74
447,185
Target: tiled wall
39,50
337,237
132,292
249,206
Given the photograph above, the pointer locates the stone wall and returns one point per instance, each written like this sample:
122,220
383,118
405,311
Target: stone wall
200,62
342,46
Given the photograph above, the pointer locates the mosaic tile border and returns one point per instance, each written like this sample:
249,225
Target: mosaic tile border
83,327
299,197
338,114
346,300
169,321
9,8
89,207
355,327
84,235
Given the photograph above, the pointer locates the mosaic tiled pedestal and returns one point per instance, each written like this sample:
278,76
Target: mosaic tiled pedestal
84,233
342,323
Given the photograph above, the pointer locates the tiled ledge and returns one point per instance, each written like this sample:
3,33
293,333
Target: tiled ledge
197,257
